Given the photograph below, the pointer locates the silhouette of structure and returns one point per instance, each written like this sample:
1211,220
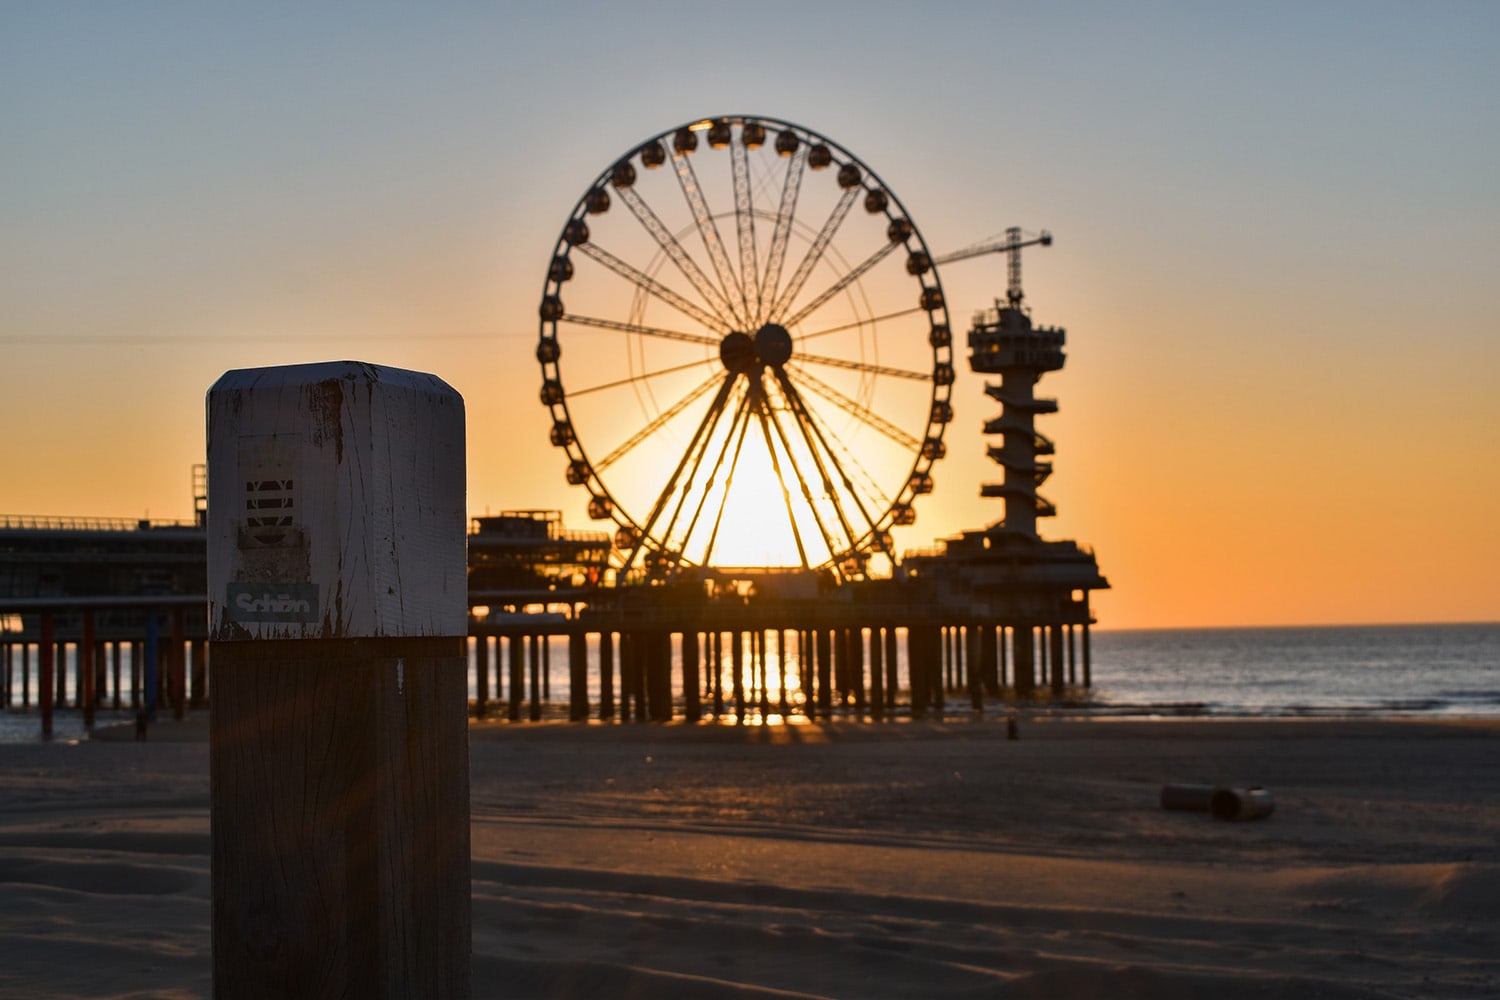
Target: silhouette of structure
714,342
521,557
1036,590
734,303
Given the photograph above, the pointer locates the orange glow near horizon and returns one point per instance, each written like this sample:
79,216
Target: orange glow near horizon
1193,522
760,681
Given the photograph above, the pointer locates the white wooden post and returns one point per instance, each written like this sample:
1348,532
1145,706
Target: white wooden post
338,730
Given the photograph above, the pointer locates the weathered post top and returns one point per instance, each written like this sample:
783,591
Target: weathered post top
336,499
338,737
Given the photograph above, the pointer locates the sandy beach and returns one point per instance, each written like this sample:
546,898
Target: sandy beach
857,861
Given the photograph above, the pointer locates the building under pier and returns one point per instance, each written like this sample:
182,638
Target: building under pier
520,558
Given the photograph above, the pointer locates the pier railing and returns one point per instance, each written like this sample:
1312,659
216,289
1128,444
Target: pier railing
164,633
26,522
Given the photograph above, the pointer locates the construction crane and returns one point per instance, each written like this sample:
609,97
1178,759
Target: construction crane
1012,244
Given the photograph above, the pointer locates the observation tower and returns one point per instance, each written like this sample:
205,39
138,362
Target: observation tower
1005,342
1035,591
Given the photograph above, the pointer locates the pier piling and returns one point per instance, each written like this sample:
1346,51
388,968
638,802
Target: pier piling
481,676
692,685
578,677
606,675
44,682
338,748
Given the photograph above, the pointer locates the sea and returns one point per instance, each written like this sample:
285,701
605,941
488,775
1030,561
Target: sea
1408,671
1363,670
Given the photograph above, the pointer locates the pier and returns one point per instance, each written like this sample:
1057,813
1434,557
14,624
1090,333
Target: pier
874,652
111,613
777,660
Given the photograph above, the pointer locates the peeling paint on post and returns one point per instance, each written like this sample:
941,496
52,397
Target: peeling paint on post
338,733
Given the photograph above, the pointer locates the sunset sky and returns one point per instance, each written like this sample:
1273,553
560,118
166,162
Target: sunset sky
1277,250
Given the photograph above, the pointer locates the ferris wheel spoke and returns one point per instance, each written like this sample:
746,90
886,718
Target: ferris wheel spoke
791,186
635,379
708,231
694,465
817,447
845,461
805,478
703,431
650,285
684,260
661,420
786,493
815,252
864,366
809,422
644,331
864,413
839,285
872,322
742,423
744,216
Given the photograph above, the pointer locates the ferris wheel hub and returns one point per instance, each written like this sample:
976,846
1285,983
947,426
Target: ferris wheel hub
774,345
771,347
737,351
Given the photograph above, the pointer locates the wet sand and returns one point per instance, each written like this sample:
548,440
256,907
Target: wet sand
859,861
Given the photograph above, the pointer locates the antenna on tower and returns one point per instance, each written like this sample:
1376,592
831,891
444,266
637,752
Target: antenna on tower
1011,245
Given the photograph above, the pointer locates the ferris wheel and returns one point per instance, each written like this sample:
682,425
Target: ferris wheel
745,352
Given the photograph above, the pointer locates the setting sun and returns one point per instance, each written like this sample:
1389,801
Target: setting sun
764,525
